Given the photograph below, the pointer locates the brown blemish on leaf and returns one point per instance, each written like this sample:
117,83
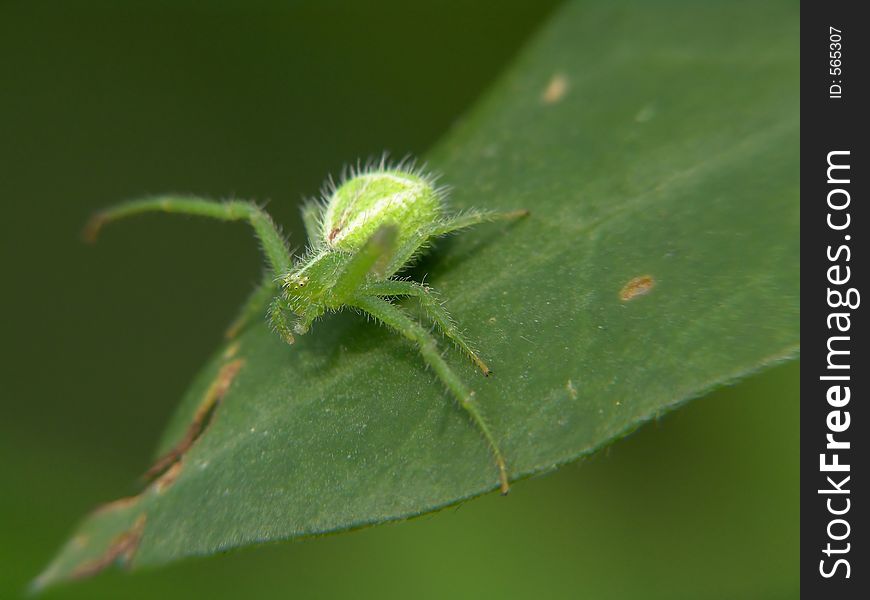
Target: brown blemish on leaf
555,90
169,477
121,551
572,391
637,287
119,504
231,351
235,328
201,419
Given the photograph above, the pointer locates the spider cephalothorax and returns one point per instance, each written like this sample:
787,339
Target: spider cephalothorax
385,214
361,233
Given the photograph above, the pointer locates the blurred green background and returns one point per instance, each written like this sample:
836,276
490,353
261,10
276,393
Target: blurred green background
261,99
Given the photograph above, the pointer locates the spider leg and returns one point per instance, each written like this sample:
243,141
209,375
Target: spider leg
255,306
395,317
273,243
433,308
474,217
278,321
312,213
371,258
468,219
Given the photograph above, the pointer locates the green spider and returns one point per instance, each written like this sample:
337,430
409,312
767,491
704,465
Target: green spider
361,233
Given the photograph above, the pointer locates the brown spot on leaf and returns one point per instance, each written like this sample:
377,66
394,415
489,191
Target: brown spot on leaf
572,391
555,90
637,287
169,477
335,231
201,419
119,504
121,551
231,351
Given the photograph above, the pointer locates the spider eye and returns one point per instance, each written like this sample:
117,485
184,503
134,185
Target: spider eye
295,281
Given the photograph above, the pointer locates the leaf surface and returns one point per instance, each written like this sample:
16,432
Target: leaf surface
657,148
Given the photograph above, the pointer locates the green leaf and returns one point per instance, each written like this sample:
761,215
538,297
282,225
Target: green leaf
657,148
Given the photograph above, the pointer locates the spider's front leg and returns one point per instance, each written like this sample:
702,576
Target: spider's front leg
273,244
395,317
371,259
278,321
433,308
312,216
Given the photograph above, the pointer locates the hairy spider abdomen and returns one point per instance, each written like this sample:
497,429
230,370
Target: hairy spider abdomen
363,203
